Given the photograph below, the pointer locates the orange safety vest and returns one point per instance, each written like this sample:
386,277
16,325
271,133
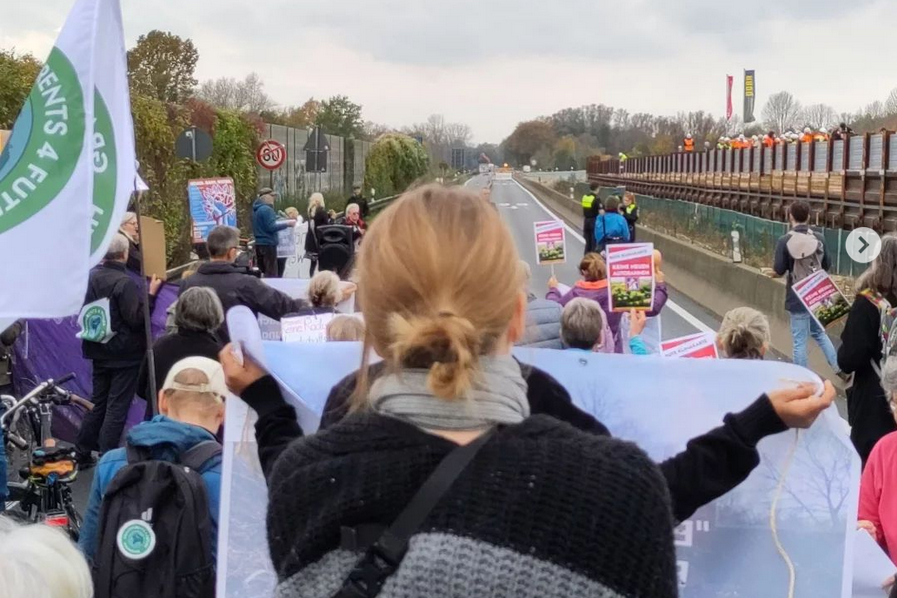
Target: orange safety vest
689,145
769,141
806,138
821,137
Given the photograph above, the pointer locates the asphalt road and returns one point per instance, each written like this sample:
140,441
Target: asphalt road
521,210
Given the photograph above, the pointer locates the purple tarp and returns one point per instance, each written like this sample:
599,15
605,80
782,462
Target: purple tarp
48,349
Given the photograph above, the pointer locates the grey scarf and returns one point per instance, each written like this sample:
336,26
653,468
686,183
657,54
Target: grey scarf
498,397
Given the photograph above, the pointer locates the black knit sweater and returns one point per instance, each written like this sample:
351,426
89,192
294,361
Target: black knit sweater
711,465
543,510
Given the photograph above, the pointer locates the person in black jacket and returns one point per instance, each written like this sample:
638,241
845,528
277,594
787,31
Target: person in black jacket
198,316
235,285
359,198
868,413
317,217
116,363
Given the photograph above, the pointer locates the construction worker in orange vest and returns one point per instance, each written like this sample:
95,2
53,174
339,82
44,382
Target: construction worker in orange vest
770,140
807,137
822,135
689,143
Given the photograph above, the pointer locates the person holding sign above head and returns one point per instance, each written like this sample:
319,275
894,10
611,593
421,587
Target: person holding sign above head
866,347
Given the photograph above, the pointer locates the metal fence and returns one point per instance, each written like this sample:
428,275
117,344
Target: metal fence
345,164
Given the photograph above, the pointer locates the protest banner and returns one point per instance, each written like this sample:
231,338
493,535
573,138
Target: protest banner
305,329
630,272
297,288
48,166
821,297
550,242
213,202
806,482
694,346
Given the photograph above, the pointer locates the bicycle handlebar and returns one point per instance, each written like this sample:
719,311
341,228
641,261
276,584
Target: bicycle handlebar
35,393
64,379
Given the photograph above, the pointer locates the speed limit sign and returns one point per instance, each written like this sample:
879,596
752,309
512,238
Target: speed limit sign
271,154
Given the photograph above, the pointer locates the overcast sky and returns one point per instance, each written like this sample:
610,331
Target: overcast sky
492,64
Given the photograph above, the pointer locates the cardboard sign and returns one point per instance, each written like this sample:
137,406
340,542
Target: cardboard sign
213,202
821,297
550,242
694,346
630,270
305,329
152,241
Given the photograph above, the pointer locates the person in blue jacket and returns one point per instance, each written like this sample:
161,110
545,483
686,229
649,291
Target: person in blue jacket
611,227
191,404
265,227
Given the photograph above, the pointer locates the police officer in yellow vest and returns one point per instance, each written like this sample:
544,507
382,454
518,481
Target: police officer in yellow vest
591,208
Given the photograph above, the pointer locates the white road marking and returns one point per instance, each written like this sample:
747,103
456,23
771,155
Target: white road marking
680,311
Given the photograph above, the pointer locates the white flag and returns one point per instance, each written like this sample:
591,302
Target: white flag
46,180
114,160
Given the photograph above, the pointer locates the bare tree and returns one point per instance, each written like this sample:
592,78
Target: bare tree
247,95
891,102
458,133
818,116
874,110
781,111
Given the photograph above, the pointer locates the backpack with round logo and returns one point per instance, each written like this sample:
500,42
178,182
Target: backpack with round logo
155,531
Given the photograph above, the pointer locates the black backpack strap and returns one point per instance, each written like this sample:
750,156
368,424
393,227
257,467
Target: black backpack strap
200,454
383,558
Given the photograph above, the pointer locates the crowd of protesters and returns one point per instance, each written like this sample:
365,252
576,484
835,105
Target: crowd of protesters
772,139
396,425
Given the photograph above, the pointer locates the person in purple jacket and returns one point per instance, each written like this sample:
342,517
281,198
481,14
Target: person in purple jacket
594,286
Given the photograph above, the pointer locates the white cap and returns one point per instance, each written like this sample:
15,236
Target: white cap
808,130
823,130
688,136
213,372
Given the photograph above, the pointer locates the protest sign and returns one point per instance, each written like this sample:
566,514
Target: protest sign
297,288
821,297
550,242
630,271
286,242
305,329
806,482
695,346
213,202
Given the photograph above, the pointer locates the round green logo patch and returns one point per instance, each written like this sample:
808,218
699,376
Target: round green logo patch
94,323
136,539
45,145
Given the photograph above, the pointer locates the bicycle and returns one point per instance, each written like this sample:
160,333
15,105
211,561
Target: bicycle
45,467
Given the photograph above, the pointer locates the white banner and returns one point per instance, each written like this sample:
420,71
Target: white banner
806,483
114,157
46,178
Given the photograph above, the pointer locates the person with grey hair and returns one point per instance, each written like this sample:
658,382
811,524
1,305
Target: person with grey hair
198,317
236,285
265,227
543,317
861,350
130,228
40,560
116,360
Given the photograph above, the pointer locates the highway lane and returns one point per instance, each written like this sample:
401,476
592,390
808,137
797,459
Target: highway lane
520,210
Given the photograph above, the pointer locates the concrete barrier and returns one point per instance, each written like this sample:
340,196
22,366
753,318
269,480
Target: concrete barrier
708,278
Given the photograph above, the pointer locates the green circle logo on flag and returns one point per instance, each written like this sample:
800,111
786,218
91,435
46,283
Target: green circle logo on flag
46,143
105,172
136,539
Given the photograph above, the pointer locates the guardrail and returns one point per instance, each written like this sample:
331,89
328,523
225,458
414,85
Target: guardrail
848,183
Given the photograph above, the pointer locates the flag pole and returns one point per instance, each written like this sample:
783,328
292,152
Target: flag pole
152,399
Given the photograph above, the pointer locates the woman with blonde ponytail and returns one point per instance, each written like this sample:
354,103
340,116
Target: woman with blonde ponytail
542,509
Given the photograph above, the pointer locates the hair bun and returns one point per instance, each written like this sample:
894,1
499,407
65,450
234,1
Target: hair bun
447,345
